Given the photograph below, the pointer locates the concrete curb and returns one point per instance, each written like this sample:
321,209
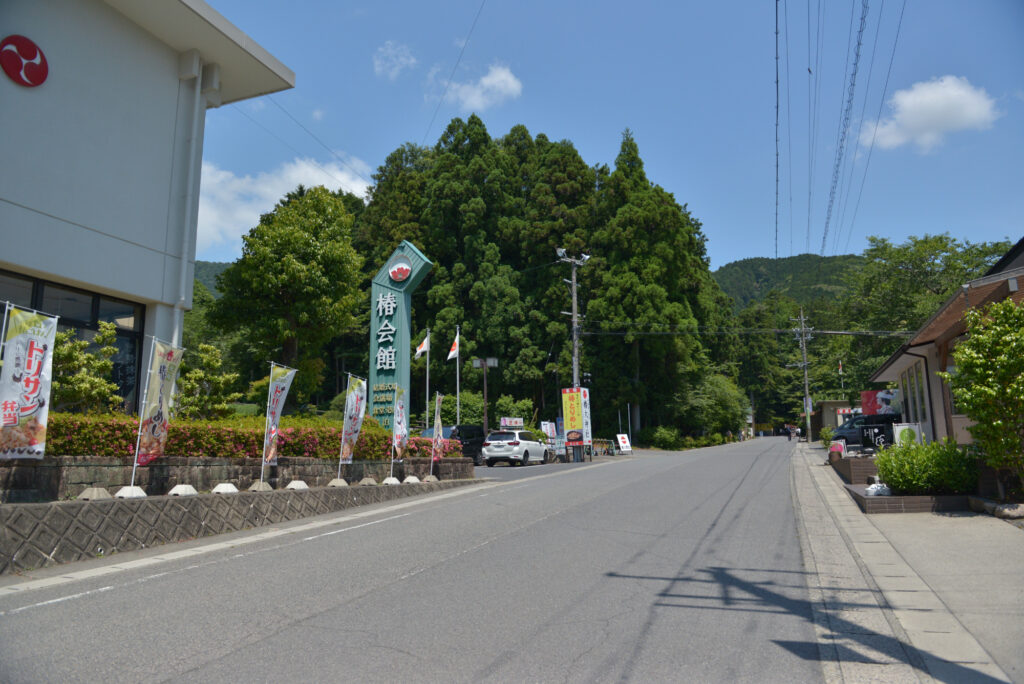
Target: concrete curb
875,618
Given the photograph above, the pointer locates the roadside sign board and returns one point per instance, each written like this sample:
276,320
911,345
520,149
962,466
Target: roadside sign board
511,422
576,410
624,443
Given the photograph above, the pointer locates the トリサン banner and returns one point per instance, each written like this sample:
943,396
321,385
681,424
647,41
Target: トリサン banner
25,382
355,409
280,382
164,363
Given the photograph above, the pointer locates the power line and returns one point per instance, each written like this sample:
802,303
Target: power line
449,81
776,129
286,144
322,143
860,128
846,122
874,133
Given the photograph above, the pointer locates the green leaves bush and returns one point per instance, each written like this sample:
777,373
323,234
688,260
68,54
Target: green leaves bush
934,468
113,436
826,436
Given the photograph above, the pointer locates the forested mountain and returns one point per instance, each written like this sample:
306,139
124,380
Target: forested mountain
803,278
207,272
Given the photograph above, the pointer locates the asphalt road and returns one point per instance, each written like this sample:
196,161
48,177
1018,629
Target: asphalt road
663,567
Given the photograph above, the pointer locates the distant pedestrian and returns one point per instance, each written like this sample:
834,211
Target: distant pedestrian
789,434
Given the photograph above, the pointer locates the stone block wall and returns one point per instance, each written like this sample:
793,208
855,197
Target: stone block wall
38,535
62,477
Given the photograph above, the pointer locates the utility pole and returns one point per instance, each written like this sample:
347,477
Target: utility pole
575,262
804,334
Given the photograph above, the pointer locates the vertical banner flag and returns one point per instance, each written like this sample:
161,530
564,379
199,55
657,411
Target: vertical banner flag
437,446
280,383
400,432
355,409
453,353
25,383
164,363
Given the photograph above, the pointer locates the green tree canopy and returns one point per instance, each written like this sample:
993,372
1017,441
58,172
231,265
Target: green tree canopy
296,285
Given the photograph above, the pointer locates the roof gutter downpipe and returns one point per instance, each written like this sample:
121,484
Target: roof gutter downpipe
195,70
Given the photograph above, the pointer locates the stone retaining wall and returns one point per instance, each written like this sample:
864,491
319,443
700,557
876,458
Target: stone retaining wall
855,470
37,535
63,477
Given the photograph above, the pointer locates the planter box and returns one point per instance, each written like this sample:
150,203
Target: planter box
855,470
907,504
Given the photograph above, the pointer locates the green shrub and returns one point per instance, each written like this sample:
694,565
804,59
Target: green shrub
935,468
666,437
114,436
826,436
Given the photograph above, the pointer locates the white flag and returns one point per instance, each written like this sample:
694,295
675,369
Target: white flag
424,347
454,353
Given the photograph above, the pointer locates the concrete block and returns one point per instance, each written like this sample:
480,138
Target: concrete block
411,479
431,478
130,493
94,494
391,481
367,482
337,482
260,487
297,484
225,488
183,490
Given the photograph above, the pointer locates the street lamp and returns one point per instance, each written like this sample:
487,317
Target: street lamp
489,362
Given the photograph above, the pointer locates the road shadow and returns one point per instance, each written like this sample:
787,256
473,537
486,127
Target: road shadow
734,593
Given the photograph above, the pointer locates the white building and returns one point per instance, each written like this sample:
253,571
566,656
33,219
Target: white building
102,141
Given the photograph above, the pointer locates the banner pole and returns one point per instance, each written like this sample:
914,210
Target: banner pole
458,391
394,426
266,424
426,408
433,441
142,406
348,388
3,328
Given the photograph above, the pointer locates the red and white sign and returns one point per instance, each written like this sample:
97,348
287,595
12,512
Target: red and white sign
23,61
623,443
400,269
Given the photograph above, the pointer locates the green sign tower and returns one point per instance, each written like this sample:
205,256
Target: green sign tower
391,328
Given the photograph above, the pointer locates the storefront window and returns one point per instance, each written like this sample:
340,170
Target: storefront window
83,311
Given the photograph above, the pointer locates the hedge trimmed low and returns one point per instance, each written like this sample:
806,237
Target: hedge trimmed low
113,436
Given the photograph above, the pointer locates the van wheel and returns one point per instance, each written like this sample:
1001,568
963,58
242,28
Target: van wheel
490,464
526,458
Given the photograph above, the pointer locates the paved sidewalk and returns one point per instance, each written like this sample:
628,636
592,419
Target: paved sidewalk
908,597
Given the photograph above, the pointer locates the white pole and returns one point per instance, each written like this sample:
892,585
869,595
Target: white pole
3,328
458,392
142,406
394,425
426,406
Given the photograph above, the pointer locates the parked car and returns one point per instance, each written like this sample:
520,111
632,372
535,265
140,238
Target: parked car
850,431
515,447
471,437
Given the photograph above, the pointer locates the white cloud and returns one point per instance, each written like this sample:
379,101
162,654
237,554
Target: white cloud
927,111
230,205
318,114
391,59
494,87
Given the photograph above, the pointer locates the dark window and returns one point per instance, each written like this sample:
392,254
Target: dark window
83,311
501,437
16,290
72,304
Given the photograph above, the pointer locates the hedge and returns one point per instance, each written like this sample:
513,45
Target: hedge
933,468
113,436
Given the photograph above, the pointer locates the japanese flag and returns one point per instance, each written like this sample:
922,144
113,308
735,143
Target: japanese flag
424,347
454,353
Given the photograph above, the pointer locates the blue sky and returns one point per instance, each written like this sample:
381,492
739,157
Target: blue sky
943,151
